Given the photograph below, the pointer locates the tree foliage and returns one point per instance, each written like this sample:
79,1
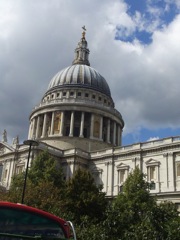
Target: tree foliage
83,197
135,214
3,193
44,186
45,168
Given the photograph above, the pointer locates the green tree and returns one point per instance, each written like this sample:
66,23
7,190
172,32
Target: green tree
3,193
44,186
16,188
135,214
84,198
46,168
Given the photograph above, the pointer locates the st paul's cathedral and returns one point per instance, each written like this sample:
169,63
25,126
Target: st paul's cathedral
77,122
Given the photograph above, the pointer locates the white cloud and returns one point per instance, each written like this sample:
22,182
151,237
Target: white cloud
37,39
152,139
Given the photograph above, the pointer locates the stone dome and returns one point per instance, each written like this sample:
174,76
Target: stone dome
80,75
77,110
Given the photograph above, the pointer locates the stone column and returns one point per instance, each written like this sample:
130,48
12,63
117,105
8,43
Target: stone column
101,128
62,124
92,126
71,124
120,139
33,128
44,125
52,124
109,180
114,134
171,171
108,131
67,94
30,129
118,135
37,127
82,125
165,175
60,94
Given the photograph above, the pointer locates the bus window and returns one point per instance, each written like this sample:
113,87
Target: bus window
16,219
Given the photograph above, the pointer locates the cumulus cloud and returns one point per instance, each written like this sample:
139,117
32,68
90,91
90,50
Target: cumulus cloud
153,139
38,38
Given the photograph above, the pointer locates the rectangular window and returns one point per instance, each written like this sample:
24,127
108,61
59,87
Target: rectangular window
152,173
19,169
152,185
5,175
122,176
178,169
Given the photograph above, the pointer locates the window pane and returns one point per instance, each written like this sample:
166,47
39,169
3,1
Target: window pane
15,221
152,173
178,170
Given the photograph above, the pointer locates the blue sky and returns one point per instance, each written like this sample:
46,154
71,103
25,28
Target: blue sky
134,44
160,11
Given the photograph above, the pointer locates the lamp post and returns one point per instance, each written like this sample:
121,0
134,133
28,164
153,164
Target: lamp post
30,143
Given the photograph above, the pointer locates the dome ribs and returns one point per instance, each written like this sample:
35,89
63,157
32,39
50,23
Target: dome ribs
81,76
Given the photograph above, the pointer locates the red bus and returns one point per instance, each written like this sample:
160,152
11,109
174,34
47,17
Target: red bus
19,222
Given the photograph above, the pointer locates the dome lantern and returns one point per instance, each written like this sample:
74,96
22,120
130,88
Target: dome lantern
81,51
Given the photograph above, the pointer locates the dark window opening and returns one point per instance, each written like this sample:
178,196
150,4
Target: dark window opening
85,133
152,185
76,132
121,189
67,131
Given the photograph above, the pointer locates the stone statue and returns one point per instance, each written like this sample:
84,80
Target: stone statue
4,136
84,32
16,140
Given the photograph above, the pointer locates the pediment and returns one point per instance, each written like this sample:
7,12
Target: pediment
5,148
152,162
122,166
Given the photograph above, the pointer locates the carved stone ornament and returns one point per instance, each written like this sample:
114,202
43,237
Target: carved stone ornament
2,151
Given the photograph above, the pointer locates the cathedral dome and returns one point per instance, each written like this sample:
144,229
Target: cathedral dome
77,110
80,75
